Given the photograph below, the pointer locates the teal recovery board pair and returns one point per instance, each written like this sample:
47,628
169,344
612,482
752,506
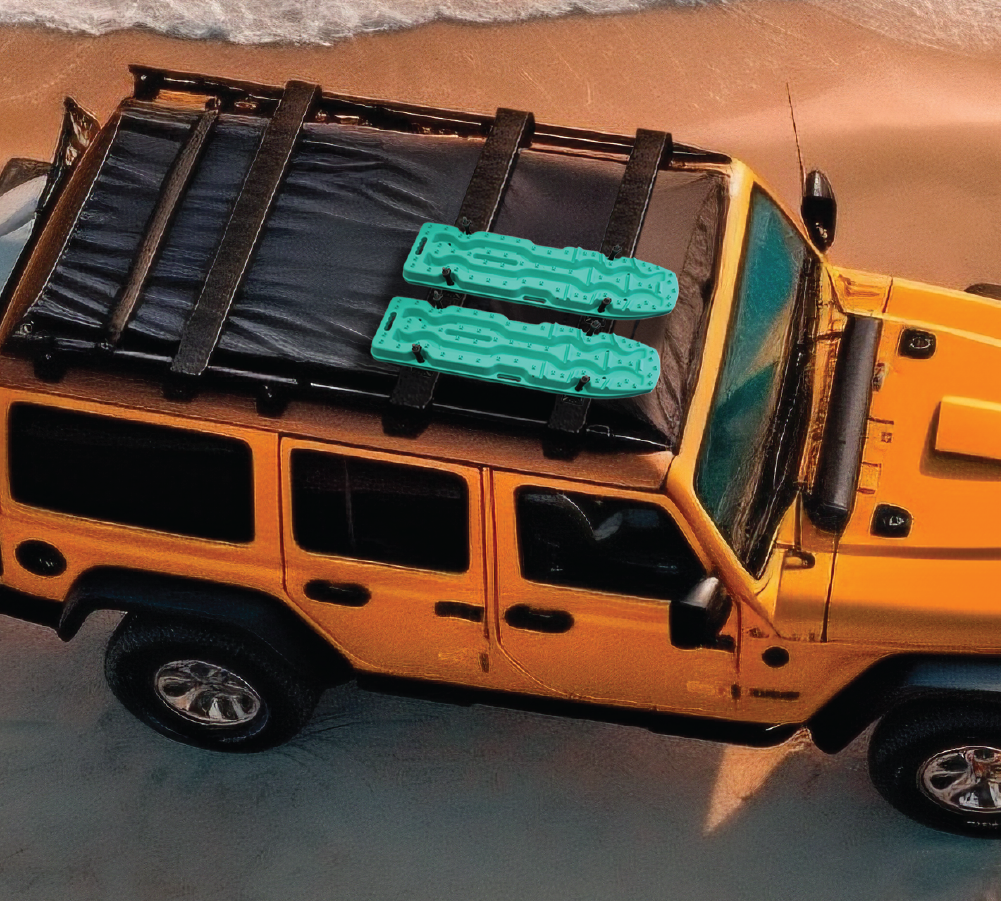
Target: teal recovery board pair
548,357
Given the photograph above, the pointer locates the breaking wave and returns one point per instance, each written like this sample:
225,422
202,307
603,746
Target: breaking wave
964,25
293,21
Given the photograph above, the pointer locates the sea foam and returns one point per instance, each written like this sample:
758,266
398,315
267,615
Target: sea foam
295,21
964,25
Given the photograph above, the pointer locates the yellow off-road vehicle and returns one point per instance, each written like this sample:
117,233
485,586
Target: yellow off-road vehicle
794,528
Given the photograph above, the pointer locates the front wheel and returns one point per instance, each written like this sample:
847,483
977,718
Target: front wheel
941,765
206,686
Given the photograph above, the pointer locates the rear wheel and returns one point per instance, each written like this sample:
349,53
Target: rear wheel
207,686
941,765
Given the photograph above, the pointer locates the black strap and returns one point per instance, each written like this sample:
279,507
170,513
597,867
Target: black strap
246,222
414,389
511,131
651,151
174,188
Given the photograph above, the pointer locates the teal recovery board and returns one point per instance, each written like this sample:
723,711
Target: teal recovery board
548,357
569,279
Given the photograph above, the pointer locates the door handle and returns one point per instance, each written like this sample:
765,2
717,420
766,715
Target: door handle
535,619
347,594
459,610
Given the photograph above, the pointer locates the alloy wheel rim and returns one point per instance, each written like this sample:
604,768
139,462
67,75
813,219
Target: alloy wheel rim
964,780
206,693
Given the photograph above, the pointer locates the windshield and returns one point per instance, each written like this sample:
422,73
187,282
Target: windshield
755,430
17,213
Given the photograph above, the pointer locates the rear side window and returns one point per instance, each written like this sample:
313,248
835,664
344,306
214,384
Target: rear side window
604,544
383,512
132,473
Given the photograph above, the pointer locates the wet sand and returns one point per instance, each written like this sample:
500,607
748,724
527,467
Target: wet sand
910,136
384,798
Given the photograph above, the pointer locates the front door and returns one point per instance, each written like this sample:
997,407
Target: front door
385,554
584,582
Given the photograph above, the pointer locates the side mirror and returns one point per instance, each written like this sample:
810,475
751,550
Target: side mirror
696,619
819,209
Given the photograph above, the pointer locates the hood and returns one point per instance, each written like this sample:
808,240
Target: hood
925,534
933,447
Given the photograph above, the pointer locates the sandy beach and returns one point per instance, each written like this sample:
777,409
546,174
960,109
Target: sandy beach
384,798
910,136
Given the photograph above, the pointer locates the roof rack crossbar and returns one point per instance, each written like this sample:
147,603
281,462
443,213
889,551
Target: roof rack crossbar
173,191
652,150
150,82
243,230
512,130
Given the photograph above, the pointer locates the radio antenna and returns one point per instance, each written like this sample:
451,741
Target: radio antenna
795,131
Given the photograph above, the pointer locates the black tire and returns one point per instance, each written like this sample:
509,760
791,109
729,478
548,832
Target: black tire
911,742
278,704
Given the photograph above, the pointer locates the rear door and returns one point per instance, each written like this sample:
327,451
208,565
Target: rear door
385,554
89,485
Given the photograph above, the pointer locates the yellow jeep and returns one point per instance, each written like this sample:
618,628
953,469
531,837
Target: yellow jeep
793,529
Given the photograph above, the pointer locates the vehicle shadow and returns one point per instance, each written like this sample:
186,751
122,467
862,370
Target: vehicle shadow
384,797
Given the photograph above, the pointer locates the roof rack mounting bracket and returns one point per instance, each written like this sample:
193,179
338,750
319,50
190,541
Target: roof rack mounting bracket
271,400
414,390
48,362
652,151
243,230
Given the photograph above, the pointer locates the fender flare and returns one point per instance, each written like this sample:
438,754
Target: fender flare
898,680
255,613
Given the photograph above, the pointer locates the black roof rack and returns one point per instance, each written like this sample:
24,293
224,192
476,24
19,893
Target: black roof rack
191,124
234,95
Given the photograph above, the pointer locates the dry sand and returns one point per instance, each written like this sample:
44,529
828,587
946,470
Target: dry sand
911,137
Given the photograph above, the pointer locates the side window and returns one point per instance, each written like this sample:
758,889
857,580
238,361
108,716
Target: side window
132,473
605,544
383,512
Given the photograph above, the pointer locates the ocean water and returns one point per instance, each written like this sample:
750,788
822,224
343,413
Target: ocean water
963,25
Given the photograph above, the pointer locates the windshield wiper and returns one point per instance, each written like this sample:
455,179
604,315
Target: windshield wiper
781,462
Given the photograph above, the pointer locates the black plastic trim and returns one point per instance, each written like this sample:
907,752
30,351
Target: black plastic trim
891,522
29,608
917,344
459,610
261,615
537,619
985,289
756,735
40,558
830,503
900,680
343,594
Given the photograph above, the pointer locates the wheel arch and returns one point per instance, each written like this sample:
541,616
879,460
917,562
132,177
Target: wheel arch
898,680
256,613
